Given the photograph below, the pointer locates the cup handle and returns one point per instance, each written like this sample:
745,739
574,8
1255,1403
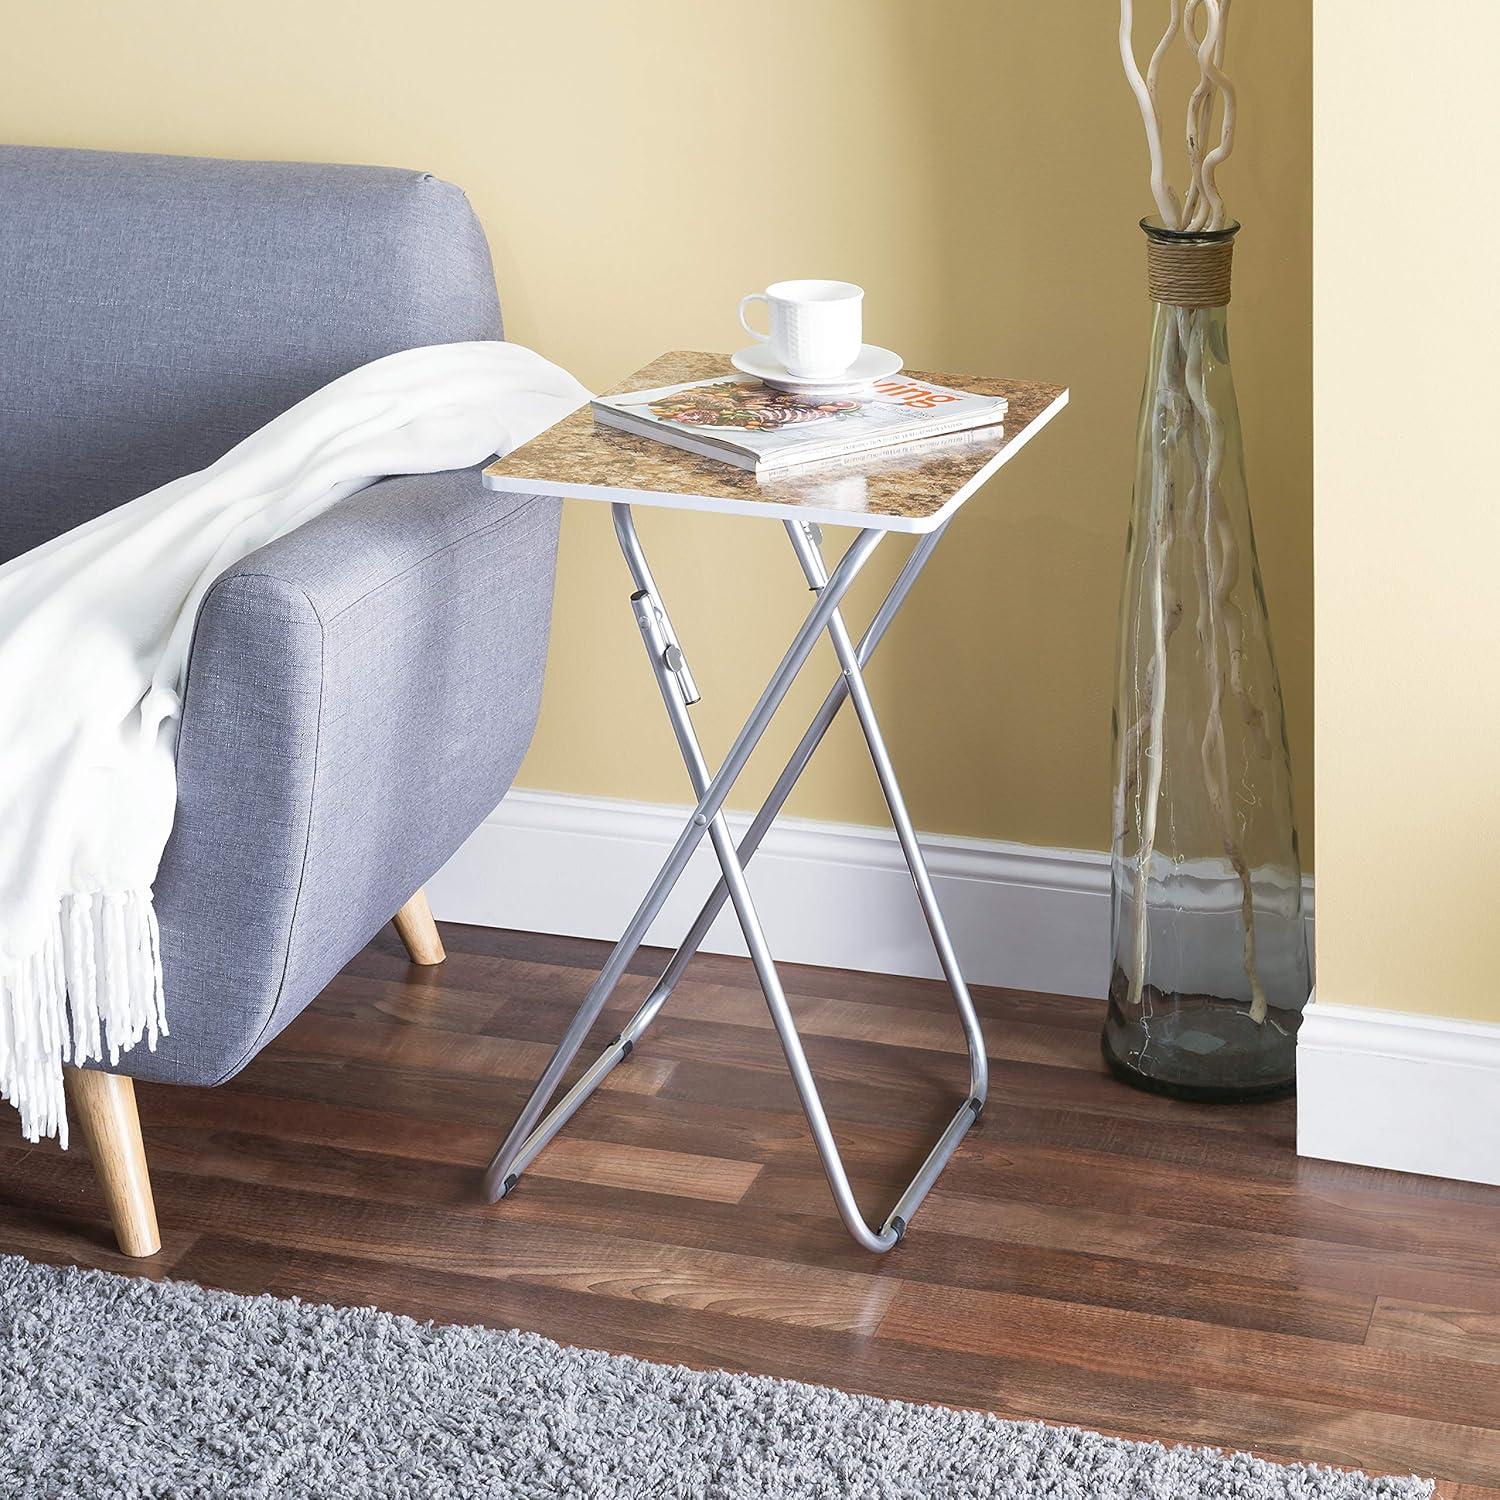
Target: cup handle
744,303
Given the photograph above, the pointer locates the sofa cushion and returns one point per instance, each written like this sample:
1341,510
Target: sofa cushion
156,309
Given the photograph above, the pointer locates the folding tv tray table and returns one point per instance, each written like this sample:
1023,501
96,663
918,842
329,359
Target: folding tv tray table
915,489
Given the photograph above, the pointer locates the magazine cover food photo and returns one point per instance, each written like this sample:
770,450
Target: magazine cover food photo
739,420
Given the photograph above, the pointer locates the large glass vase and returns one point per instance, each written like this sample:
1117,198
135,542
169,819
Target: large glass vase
1210,966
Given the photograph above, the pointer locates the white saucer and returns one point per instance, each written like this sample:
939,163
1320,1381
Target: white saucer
874,363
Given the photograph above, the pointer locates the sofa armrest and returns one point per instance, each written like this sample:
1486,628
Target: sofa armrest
360,693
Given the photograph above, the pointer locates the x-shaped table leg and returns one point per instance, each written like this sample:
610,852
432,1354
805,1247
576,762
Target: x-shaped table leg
531,1131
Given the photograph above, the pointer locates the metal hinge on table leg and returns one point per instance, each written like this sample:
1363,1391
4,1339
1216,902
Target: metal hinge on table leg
814,533
651,617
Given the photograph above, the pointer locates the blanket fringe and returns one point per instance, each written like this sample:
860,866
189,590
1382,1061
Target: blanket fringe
94,986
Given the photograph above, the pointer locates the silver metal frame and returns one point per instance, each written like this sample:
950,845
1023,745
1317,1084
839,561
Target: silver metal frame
679,691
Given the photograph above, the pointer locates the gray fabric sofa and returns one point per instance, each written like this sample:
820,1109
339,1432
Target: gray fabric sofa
360,692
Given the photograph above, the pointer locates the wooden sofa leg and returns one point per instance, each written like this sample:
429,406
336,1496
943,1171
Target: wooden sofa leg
103,1106
419,932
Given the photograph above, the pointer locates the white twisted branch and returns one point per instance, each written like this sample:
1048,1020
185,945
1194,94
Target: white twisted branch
1166,200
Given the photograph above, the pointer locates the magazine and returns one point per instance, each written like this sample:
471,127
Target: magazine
737,419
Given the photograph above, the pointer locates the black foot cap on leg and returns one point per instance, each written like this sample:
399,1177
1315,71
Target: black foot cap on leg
977,1105
899,1225
507,1185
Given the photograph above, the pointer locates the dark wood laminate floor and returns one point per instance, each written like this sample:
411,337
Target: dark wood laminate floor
1092,1255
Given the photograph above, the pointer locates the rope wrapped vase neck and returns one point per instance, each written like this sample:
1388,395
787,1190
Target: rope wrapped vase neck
1188,268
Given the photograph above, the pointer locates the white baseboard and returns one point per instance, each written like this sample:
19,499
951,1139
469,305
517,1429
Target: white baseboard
834,894
1389,1089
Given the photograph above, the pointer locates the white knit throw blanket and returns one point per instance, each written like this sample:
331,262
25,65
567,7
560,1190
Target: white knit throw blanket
95,627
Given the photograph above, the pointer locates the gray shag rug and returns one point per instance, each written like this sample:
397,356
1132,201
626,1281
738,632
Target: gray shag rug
111,1386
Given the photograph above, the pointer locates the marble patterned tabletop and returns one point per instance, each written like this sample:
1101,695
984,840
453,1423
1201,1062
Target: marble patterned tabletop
913,489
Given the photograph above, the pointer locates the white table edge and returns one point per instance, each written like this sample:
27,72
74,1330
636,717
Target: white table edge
517,484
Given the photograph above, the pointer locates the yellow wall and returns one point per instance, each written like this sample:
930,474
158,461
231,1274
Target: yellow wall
1408,509
976,164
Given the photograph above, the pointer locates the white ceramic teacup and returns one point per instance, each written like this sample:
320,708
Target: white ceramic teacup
815,325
